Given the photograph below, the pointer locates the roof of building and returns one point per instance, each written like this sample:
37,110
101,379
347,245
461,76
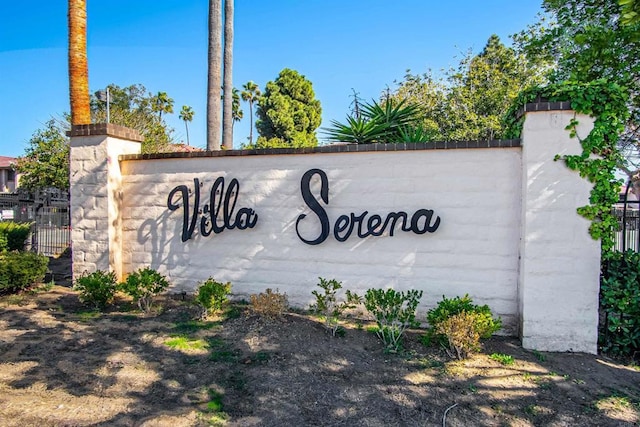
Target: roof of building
6,162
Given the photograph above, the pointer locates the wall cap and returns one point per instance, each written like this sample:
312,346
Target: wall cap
335,148
108,129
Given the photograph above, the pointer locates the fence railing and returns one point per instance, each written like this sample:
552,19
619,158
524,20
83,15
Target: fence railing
47,211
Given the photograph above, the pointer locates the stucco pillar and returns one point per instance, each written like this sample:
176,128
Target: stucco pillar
96,195
559,261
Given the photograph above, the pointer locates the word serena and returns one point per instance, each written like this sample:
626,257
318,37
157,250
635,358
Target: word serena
345,225
220,213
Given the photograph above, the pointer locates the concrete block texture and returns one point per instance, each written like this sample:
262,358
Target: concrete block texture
560,262
497,223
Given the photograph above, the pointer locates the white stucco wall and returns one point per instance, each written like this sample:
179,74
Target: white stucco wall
509,233
475,192
560,261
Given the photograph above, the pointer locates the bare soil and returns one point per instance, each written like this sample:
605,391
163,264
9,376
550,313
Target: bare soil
64,365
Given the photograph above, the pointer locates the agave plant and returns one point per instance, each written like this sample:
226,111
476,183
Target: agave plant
358,130
389,122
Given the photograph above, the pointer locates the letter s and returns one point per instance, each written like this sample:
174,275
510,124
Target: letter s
314,205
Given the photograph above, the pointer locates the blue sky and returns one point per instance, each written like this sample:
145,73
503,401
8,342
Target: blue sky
337,44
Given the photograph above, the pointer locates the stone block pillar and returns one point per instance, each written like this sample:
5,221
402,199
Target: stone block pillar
96,195
559,261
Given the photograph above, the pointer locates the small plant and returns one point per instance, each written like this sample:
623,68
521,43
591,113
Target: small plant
462,336
504,359
269,304
541,357
184,343
458,336
395,312
20,270
144,284
212,295
328,306
96,289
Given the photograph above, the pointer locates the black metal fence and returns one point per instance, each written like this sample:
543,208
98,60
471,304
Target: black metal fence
47,211
628,213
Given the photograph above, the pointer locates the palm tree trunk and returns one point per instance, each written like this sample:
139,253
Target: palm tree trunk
187,128
227,120
78,67
214,75
251,122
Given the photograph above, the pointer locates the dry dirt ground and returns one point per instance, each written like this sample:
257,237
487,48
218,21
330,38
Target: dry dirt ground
64,365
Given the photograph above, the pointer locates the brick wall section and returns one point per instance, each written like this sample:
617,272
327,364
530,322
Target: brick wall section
96,195
106,129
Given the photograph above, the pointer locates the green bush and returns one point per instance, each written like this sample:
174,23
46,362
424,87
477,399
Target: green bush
449,333
620,303
144,284
19,270
97,289
212,295
394,312
328,306
13,235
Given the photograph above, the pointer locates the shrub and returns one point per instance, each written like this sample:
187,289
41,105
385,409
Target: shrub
394,312
328,306
620,303
144,284
97,289
452,333
212,295
462,335
19,270
269,304
13,235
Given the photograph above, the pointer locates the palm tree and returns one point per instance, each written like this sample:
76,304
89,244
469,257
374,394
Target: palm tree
214,75
250,94
237,112
78,67
186,115
227,110
161,103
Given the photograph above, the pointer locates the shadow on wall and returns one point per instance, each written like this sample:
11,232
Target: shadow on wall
467,253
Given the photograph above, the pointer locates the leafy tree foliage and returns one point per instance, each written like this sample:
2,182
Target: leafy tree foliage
134,107
46,160
469,102
591,40
161,103
288,113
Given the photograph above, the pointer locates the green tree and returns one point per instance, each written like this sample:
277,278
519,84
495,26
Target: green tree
588,41
250,94
186,115
162,103
46,160
237,111
137,109
288,113
630,11
469,102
